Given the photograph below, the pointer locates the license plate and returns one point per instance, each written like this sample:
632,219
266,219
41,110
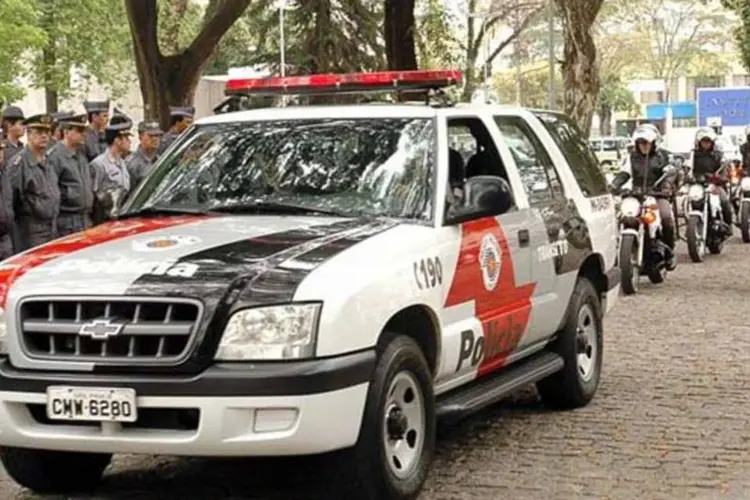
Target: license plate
91,404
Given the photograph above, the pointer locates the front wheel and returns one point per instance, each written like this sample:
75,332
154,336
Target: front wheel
695,243
54,472
745,221
397,438
629,266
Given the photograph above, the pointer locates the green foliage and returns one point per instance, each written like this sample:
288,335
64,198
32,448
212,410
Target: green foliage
85,37
179,23
742,31
615,96
236,48
436,37
18,24
534,86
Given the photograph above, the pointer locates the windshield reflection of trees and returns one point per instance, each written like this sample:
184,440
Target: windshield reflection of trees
354,166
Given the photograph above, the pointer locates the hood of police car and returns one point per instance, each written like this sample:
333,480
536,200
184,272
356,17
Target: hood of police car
264,257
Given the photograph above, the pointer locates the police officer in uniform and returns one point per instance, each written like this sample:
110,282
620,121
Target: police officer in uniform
12,131
98,116
36,194
7,217
141,162
74,176
56,132
111,177
180,120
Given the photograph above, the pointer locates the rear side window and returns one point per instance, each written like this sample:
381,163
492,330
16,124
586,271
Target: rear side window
577,152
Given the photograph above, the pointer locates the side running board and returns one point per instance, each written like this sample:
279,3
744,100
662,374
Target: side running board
490,389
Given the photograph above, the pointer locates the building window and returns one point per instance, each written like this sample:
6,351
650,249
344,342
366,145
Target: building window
702,82
651,97
684,122
741,80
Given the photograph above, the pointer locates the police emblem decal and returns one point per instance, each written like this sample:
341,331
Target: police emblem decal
164,243
490,261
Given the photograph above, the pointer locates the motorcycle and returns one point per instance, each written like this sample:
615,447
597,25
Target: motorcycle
641,249
739,195
706,227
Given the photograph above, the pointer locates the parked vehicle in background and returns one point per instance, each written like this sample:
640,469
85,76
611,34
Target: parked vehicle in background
608,150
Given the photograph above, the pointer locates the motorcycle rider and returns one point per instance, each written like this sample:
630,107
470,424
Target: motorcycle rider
706,160
745,149
645,164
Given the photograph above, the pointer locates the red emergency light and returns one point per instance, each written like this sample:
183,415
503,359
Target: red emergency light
381,81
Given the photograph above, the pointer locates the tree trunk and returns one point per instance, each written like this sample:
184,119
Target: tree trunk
580,66
49,57
400,47
171,80
605,120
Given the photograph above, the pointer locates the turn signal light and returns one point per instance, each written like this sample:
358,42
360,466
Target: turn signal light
648,217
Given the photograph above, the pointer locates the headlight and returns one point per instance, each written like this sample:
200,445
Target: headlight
270,333
630,207
3,333
696,192
683,190
745,184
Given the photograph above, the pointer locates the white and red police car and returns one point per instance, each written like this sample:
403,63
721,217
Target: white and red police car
307,279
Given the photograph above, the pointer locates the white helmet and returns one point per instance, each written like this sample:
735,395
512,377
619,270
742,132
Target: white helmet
655,129
705,133
643,133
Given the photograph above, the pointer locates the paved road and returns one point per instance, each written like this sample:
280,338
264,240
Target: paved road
670,419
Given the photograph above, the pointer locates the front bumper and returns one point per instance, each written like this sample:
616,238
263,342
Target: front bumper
261,409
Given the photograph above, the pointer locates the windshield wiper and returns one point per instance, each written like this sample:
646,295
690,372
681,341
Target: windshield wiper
155,210
275,207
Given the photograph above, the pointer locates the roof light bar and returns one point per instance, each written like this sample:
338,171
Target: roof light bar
383,81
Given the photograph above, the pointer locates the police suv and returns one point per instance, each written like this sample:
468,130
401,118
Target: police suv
308,279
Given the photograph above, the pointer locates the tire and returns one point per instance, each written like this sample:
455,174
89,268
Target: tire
54,472
575,385
745,222
716,248
657,276
369,472
629,272
696,248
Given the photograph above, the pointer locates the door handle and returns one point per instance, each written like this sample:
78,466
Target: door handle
523,237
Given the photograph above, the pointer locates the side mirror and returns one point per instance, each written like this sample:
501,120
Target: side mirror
112,200
484,196
669,170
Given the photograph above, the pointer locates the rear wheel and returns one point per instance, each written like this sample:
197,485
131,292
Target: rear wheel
745,221
54,472
628,260
580,343
694,235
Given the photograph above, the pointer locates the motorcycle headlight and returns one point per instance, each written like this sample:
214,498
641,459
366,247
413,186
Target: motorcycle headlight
696,192
630,207
3,333
270,333
745,184
683,190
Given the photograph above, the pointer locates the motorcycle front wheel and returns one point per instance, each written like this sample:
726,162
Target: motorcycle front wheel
694,235
629,269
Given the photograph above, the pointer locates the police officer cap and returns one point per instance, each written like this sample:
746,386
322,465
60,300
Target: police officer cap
121,126
13,113
184,111
72,120
96,106
61,115
120,118
42,121
149,127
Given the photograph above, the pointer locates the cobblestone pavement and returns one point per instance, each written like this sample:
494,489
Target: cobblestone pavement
669,420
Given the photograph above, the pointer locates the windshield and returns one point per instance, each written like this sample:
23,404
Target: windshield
353,167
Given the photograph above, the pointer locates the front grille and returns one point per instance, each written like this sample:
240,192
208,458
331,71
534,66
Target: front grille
111,331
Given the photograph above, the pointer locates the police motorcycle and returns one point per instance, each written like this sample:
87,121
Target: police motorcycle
739,195
706,227
641,250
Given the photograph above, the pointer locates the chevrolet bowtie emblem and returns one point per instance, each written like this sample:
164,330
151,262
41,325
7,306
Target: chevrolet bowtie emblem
100,329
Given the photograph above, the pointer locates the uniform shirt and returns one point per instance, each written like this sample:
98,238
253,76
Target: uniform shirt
11,150
109,172
7,215
51,143
75,179
166,140
643,169
705,163
139,166
95,144
36,193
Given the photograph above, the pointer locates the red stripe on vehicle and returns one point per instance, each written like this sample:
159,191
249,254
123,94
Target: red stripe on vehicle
15,267
503,308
